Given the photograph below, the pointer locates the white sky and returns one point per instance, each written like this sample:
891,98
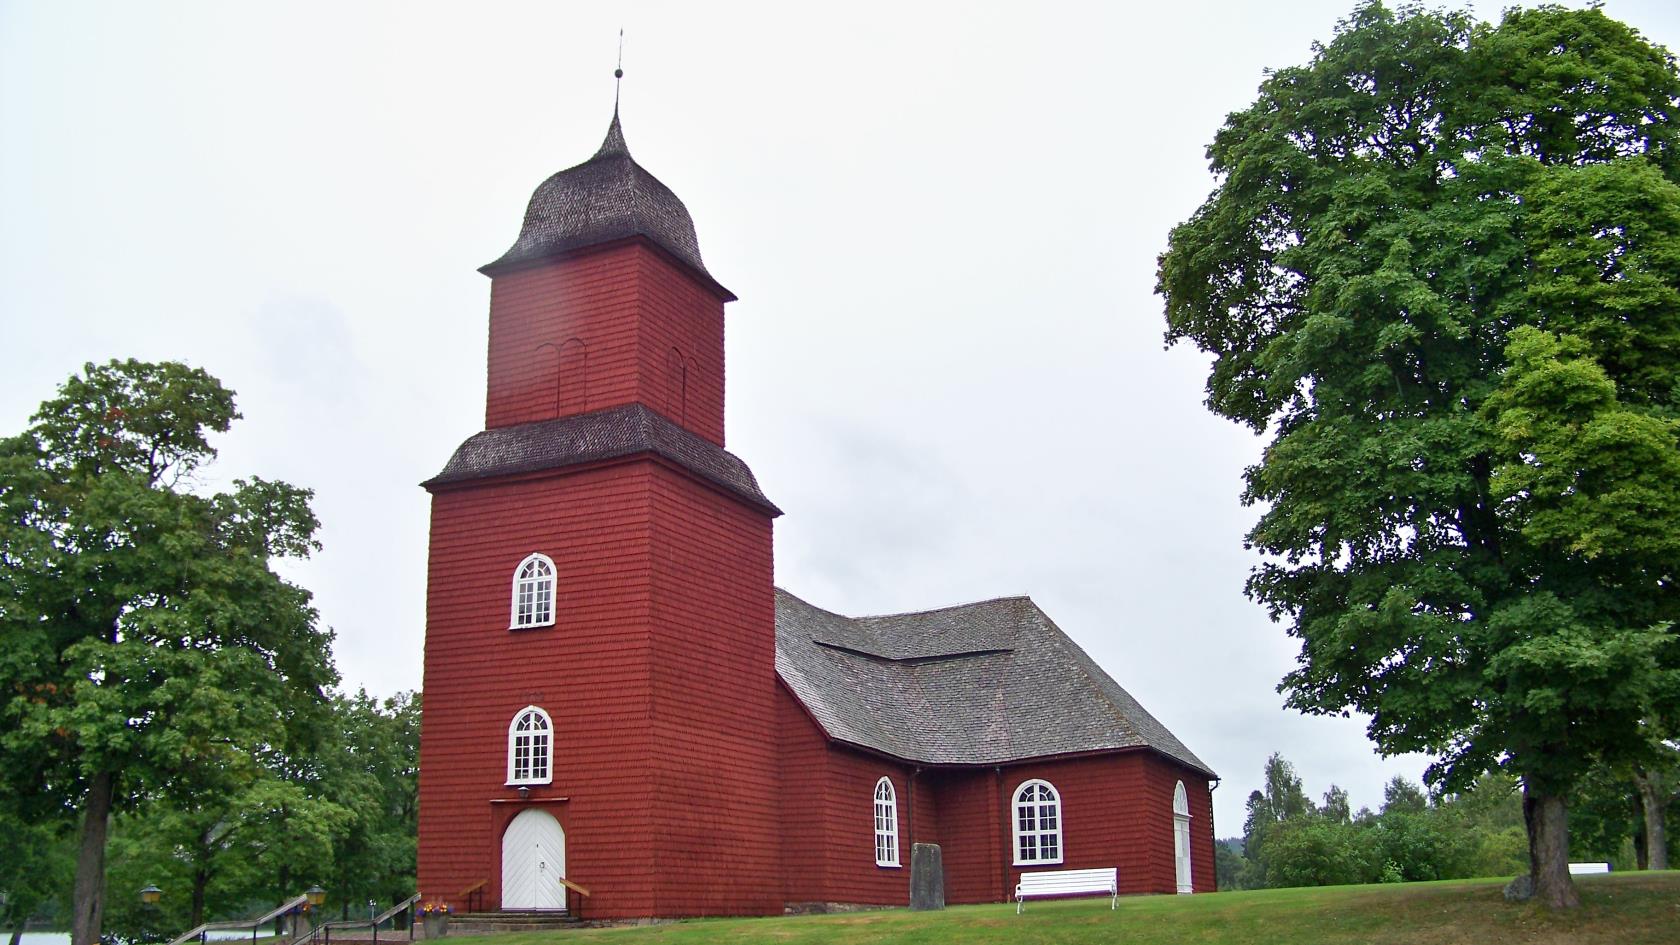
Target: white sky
942,220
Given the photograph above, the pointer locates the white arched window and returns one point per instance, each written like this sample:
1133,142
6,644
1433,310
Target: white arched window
1181,838
533,593
886,824
530,747
1038,824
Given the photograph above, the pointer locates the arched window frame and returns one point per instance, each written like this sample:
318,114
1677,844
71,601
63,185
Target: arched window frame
886,823
1181,828
1037,822
532,603
531,749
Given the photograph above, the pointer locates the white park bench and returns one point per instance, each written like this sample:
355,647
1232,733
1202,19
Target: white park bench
1068,883
1578,869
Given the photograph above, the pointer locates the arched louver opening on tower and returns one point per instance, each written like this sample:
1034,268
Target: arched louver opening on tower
1038,824
533,593
886,823
530,747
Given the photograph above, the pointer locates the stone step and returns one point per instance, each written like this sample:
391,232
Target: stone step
472,922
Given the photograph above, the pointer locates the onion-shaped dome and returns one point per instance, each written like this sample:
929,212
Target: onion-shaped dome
608,197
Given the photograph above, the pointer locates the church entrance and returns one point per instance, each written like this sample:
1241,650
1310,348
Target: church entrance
533,861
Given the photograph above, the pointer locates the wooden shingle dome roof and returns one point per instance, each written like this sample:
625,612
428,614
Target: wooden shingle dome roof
605,199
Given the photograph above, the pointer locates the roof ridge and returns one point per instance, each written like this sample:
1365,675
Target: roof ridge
937,610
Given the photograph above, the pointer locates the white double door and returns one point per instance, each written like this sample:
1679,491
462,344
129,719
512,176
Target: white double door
533,861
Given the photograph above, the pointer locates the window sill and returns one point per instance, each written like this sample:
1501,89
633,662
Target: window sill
529,626
889,866
1024,863
529,783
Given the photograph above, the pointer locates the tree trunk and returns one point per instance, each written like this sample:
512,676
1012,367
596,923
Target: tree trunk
1548,848
201,881
1655,803
88,902
1641,860
285,893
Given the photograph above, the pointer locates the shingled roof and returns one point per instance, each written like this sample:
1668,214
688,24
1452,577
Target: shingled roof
606,198
978,684
597,437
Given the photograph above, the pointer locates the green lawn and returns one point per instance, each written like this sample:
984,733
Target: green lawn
1627,907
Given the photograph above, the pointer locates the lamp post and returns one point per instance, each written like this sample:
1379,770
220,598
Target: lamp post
316,895
149,896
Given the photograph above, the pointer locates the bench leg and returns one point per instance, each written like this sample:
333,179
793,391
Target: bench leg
1113,899
1019,902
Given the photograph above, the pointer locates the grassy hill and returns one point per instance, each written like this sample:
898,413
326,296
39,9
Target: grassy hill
1623,908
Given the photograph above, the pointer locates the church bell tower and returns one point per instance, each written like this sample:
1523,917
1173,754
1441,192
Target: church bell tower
599,700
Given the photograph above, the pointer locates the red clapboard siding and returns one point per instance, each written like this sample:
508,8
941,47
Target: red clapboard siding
803,760
591,672
717,839
972,847
849,807
631,308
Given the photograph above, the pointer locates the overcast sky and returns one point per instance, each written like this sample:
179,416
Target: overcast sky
942,220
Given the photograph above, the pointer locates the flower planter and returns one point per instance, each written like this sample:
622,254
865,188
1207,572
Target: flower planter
436,924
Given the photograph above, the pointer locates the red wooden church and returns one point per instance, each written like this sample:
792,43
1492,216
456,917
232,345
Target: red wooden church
617,694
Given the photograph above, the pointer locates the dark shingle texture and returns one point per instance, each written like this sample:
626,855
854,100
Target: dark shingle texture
608,197
984,683
595,437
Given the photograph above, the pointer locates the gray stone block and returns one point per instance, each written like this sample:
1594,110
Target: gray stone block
927,877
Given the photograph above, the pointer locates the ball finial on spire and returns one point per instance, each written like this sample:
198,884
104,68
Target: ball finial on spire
618,72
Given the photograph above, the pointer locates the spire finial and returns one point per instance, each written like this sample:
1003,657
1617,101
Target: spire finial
615,134
618,71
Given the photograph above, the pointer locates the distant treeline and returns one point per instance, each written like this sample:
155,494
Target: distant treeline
1290,841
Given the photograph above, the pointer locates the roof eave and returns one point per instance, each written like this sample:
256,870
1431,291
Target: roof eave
506,265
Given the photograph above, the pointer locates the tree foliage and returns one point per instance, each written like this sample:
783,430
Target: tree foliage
1415,838
148,641
1441,269
346,810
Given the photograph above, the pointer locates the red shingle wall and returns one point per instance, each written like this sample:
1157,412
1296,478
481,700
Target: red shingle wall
716,782
591,672
631,308
681,346
973,835
853,876
1197,789
803,758
1116,811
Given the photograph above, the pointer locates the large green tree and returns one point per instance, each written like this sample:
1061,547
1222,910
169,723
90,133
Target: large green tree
147,639
1441,271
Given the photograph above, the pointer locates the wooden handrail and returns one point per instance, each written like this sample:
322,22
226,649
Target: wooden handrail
574,886
391,912
251,924
476,889
323,932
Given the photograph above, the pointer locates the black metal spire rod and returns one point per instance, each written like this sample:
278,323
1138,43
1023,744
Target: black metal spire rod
618,72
